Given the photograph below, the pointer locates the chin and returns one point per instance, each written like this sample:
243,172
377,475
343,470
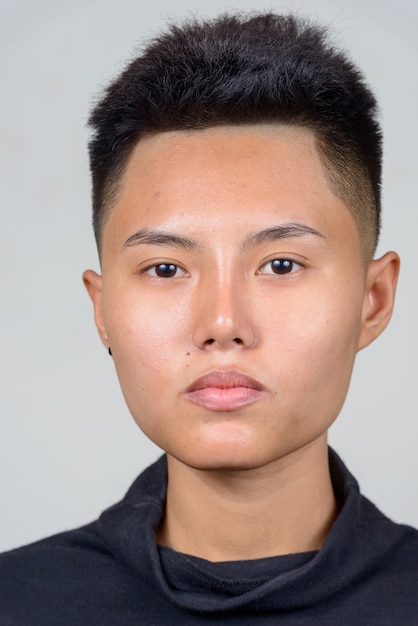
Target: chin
225,465
226,458
245,454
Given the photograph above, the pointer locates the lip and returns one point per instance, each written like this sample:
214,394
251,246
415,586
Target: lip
224,390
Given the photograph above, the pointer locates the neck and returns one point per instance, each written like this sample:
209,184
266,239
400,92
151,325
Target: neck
285,507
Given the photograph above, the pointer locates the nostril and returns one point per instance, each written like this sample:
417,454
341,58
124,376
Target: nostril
236,340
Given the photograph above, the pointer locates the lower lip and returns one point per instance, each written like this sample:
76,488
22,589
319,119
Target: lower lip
230,399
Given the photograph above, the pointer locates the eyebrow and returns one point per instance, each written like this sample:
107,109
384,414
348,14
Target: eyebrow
282,231
157,237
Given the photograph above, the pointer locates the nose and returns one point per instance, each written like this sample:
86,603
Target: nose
222,317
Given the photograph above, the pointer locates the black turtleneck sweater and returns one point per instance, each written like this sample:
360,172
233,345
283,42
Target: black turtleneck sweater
111,572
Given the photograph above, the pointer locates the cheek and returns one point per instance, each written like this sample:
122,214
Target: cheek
315,349
147,340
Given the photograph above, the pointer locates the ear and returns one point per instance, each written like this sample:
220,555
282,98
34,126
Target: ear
379,297
93,283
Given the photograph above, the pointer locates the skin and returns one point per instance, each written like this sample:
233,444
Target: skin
173,310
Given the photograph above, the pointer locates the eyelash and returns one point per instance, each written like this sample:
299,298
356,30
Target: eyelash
283,265
152,270
290,267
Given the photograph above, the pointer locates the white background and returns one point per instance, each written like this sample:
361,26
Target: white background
68,447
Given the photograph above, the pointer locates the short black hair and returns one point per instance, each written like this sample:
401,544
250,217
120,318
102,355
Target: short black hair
241,69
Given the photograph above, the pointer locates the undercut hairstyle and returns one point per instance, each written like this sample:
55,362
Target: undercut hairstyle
244,69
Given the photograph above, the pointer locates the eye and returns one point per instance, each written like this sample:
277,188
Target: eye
164,270
280,266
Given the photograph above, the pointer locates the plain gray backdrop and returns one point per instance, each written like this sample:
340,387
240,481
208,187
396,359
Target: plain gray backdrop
68,446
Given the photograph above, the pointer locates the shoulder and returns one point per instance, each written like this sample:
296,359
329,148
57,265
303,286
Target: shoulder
49,562
400,562
75,576
65,579
399,542
388,575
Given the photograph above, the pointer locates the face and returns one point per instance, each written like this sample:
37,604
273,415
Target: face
233,294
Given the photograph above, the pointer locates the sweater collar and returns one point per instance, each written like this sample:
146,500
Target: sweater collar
128,529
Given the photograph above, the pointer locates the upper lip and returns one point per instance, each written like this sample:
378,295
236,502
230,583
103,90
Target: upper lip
225,379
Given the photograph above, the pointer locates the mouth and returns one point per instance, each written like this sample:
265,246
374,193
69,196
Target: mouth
220,390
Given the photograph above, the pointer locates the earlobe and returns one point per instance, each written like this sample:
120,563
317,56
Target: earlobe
379,297
93,283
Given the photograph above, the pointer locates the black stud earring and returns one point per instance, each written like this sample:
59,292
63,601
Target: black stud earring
110,351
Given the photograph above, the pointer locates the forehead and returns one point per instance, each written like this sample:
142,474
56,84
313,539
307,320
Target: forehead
242,153
205,180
